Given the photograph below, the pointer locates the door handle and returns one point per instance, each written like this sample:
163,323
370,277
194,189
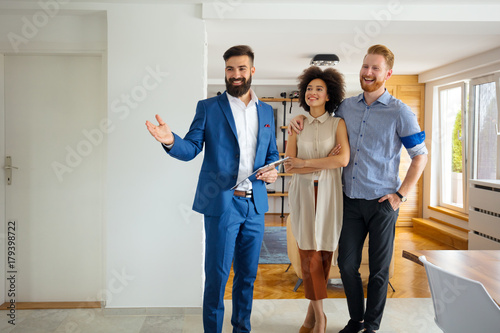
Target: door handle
8,169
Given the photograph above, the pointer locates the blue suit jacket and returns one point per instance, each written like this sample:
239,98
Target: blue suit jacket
214,126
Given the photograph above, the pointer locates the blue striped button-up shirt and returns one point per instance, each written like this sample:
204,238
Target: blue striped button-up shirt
377,133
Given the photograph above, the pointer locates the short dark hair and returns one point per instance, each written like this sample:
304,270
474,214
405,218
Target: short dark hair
239,50
335,87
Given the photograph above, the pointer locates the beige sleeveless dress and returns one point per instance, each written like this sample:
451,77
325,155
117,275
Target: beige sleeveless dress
318,230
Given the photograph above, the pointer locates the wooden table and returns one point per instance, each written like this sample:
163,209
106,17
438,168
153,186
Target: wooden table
479,265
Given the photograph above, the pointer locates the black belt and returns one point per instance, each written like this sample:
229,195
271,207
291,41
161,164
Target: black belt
243,194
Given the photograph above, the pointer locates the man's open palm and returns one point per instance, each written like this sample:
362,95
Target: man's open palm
162,132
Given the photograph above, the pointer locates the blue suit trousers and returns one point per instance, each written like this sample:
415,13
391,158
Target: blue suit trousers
235,238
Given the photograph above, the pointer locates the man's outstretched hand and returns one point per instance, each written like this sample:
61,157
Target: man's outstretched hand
160,132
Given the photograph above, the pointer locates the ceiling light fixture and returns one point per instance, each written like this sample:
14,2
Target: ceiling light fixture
325,60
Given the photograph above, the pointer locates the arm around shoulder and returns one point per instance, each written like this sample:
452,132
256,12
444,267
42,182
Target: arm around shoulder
291,145
296,124
343,139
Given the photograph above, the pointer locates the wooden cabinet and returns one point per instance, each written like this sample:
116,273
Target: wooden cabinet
409,91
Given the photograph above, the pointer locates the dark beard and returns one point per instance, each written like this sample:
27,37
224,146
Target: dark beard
238,91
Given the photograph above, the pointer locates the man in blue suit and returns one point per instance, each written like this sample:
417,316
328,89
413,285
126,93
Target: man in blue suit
238,132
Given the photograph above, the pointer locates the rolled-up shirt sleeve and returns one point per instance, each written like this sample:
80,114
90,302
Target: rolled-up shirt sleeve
419,149
411,136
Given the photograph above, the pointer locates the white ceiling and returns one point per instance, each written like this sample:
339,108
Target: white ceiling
285,34
424,35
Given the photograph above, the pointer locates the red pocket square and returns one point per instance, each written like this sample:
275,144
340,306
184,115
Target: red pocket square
267,125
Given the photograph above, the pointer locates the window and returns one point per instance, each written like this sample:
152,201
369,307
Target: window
484,130
452,147
466,142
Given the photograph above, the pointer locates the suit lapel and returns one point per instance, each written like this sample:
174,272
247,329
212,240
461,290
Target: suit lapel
226,109
262,120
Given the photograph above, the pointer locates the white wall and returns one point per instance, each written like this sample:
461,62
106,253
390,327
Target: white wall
152,234
60,33
153,240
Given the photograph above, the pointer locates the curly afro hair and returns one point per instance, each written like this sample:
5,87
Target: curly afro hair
335,87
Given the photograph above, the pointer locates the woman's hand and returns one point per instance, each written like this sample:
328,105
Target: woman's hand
294,163
335,150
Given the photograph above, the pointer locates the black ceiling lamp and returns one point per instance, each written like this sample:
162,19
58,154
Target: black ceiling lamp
325,60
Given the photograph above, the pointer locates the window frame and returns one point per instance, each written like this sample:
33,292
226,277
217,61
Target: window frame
472,133
465,178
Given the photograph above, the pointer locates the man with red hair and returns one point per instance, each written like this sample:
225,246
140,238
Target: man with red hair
378,126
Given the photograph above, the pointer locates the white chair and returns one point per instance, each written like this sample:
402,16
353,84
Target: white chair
460,304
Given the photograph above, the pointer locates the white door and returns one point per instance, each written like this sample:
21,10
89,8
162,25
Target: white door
53,108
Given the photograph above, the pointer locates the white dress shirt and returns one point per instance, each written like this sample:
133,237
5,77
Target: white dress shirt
247,128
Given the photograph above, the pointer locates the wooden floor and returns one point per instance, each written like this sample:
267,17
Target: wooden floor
409,280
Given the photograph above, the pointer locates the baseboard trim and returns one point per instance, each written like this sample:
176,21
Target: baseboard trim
147,311
174,311
52,305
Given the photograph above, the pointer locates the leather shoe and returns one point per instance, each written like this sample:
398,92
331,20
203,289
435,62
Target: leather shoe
304,329
353,327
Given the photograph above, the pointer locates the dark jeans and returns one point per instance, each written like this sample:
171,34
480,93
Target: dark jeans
362,217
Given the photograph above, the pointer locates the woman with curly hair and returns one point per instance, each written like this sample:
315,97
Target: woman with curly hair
316,219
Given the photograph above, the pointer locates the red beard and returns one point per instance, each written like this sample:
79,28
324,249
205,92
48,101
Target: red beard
372,86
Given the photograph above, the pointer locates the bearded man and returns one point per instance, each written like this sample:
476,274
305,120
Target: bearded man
238,133
378,126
